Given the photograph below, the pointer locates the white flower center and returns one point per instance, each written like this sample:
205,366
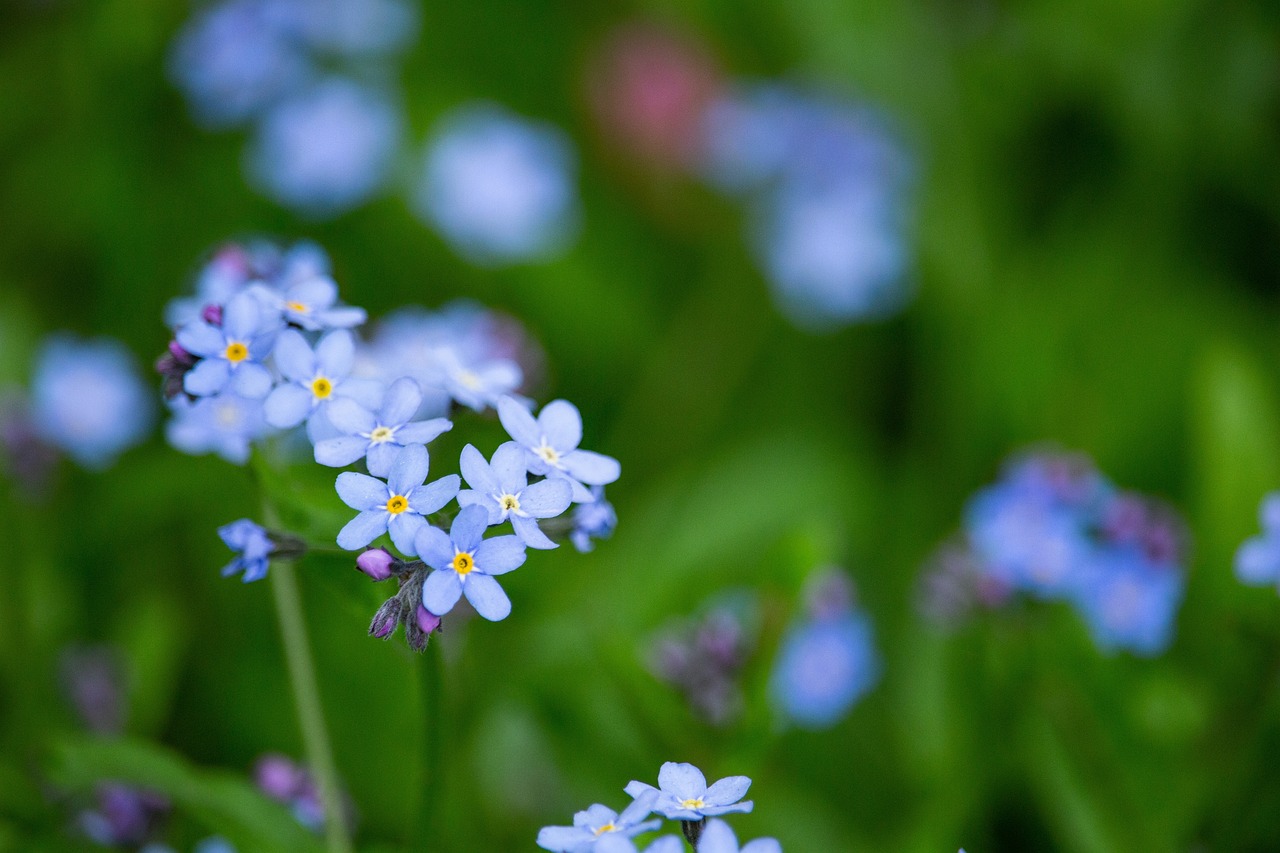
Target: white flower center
382,434
548,453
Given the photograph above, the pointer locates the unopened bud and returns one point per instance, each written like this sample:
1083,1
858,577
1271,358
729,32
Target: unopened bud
427,621
212,314
377,563
385,620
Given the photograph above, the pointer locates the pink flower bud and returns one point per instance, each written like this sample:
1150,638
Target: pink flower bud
378,563
427,620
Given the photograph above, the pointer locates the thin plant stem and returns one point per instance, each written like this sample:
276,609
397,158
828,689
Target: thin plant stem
306,695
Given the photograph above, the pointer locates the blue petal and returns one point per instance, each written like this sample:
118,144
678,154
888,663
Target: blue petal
316,293
668,844
498,555
441,591
293,356
434,548
241,316
1258,561
764,845
487,597
717,837
530,534
728,790
518,423
546,499
380,459
468,528
563,839
477,472
561,424
340,452
409,469
682,781
350,417
360,491
401,402
422,432
639,809
206,378
594,469
341,318
737,808
636,788
470,497
201,339
287,406
510,466
363,529
404,529
251,380
335,354
433,496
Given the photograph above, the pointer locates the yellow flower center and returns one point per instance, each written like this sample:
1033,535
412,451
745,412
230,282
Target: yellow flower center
548,453
469,379
397,504
463,563
692,804
321,387
608,827
296,307
381,435
509,502
236,352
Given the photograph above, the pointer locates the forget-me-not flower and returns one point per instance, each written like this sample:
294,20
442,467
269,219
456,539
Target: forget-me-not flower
717,837
465,564
683,793
551,445
502,489
594,519
231,355
479,383
314,378
593,824
1128,602
225,425
253,549
310,303
1258,558
88,400
824,666
378,438
396,506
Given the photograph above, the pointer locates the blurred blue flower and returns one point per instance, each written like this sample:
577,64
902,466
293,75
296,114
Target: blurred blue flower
1027,541
378,438
1258,558
213,844
232,353
314,379
824,666
503,490
551,445
717,837
326,149
235,58
597,822
500,189
683,794
465,564
225,424
396,506
360,28
1128,601
594,519
253,547
124,815
308,302
88,400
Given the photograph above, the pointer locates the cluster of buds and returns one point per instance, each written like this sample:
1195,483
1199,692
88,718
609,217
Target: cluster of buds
405,607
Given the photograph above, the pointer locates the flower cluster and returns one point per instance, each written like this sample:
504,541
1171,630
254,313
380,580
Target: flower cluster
1055,529
266,347
87,400
827,661
682,794
703,656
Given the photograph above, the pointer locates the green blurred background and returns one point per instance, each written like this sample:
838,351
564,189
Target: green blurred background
1098,256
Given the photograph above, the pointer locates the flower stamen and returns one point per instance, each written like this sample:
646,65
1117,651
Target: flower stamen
236,352
397,504
463,563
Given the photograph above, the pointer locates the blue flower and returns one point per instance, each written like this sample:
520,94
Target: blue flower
360,28
1128,602
682,793
253,547
225,425
314,378
396,506
1258,559
1027,541
823,668
477,384
309,303
592,825
465,564
502,489
594,519
499,188
231,354
327,149
551,445
717,837
378,438
88,400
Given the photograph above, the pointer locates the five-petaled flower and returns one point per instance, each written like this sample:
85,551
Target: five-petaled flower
465,564
551,445
253,549
231,354
593,824
309,301
683,793
314,378
378,437
502,489
396,506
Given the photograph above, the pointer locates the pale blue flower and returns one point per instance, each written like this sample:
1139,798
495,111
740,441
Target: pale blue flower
594,519
327,149
360,28
502,489
396,506
1258,559
717,837
824,666
499,188
88,400
253,547
551,445
1129,602
465,564
231,354
309,302
225,425
477,384
592,825
378,438
683,794
314,378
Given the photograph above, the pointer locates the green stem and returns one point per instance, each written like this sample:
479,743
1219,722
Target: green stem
306,694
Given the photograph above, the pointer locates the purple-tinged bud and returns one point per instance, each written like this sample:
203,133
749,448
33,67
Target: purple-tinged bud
212,314
181,355
427,621
386,619
278,777
378,564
